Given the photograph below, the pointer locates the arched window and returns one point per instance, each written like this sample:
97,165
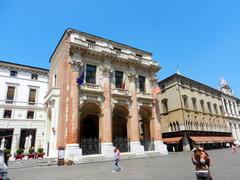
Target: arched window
174,125
178,127
171,126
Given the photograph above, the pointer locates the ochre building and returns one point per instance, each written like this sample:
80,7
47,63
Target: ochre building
193,113
113,103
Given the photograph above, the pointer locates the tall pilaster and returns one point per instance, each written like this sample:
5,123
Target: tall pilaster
106,119
236,108
133,124
232,108
228,107
224,106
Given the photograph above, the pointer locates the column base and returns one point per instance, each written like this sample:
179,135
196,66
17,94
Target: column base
160,147
186,147
73,153
107,149
136,148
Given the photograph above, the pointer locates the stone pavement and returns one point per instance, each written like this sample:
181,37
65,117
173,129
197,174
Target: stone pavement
173,167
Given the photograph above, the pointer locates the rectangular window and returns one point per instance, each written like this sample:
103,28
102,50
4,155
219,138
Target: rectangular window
7,113
10,94
30,114
32,97
119,79
34,76
141,83
90,41
117,49
13,73
91,74
165,105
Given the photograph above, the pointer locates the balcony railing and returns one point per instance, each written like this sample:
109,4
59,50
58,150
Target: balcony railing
144,95
117,53
91,87
120,91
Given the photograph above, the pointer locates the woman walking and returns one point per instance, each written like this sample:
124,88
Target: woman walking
116,154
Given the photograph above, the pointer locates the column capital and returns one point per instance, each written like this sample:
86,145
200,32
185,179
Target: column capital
106,71
76,61
153,81
132,77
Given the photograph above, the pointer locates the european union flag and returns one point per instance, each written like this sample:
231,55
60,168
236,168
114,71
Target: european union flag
80,79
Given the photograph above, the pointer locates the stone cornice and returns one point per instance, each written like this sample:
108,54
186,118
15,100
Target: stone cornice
114,55
23,69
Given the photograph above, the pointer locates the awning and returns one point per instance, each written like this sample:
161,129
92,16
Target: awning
172,140
201,139
229,139
218,139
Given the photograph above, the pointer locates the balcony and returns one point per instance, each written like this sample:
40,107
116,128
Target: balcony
144,95
120,92
95,88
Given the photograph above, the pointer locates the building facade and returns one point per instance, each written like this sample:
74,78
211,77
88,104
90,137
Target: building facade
192,113
111,104
22,113
231,109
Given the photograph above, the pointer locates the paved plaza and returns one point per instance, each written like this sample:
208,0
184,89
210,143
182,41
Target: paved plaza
173,167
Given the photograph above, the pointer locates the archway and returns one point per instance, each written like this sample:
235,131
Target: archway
119,130
145,130
89,128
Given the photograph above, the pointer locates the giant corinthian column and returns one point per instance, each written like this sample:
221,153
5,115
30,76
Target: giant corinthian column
73,150
135,145
106,118
157,132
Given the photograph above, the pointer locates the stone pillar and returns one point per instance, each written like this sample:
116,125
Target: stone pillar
106,119
236,108
15,142
233,131
186,145
133,124
157,130
232,108
237,132
72,150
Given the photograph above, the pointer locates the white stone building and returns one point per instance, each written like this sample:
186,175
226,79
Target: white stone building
231,109
22,112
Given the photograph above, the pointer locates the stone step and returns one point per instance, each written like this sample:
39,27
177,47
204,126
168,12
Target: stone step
26,163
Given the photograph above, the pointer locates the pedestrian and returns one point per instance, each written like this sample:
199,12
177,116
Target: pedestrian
116,154
233,146
201,161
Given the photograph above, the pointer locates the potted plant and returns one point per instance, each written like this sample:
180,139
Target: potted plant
40,153
8,154
19,154
31,153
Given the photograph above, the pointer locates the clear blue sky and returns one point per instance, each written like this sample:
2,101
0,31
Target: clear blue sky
201,38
